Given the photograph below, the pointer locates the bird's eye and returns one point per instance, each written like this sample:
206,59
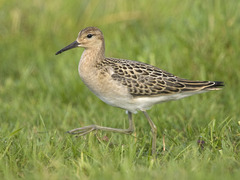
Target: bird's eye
89,35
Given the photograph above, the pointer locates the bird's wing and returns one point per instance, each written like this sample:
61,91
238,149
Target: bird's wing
145,80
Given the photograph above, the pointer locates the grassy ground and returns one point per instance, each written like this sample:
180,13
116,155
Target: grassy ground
42,96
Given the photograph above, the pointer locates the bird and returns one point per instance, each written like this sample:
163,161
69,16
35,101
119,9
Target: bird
127,84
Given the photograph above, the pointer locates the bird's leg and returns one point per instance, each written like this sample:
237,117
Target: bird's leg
87,129
154,133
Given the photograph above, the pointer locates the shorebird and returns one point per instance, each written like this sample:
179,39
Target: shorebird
130,85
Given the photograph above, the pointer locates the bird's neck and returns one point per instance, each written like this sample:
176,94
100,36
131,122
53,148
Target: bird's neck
93,55
90,59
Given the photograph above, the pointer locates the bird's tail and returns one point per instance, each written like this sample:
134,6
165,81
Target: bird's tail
201,85
215,85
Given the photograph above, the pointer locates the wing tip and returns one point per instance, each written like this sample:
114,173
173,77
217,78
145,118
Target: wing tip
217,85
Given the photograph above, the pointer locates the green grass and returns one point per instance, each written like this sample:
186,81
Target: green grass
42,96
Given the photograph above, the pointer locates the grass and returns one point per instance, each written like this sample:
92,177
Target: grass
42,96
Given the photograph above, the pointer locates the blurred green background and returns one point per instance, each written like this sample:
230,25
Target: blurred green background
42,96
